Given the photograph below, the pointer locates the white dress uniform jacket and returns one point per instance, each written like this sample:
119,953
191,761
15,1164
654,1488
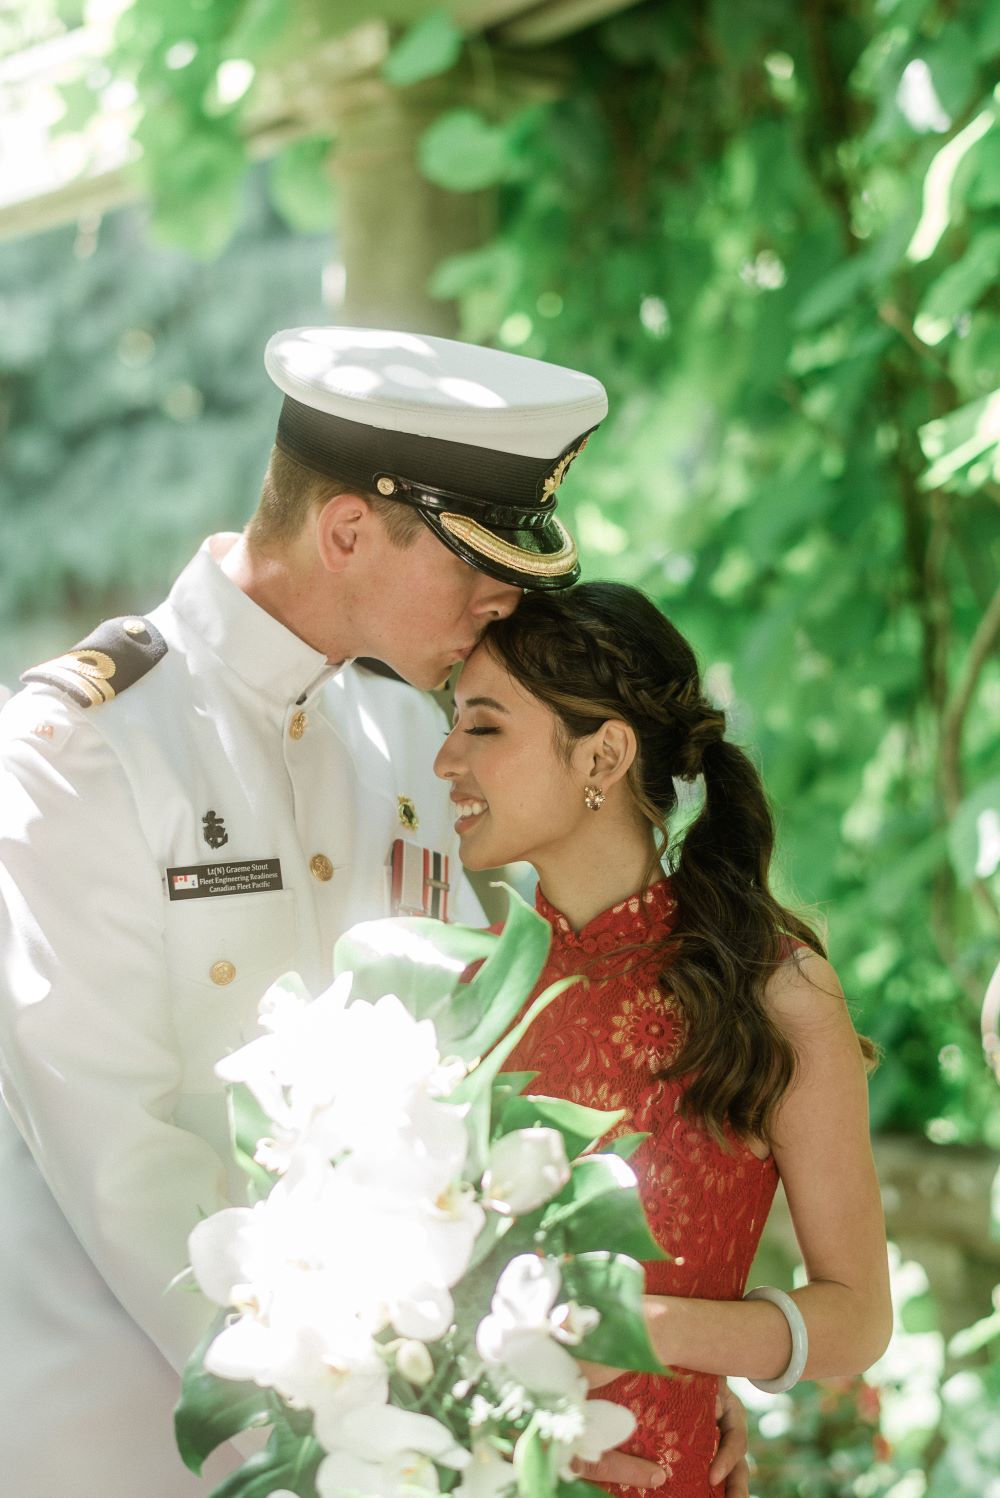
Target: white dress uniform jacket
241,745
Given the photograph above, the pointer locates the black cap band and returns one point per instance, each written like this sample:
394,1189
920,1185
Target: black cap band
359,453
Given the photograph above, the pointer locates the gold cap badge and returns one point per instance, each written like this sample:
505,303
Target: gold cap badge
555,478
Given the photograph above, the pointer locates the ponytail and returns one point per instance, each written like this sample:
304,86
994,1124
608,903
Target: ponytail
731,934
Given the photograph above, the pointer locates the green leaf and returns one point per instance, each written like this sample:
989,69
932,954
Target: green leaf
289,1463
211,1410
301,185
624,1146
600,1208
974,834
834,292
464,152
534,1465
580,1127
476,1088
481,1010
615,1223
614,1284
421,959
248,1124
959,288
580,1489
508,1084
919,1313
952,62
972,1339
984,186
197,190
428,48
955,441
259,26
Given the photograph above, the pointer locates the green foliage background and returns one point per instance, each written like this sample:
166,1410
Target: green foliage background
732,214
773,230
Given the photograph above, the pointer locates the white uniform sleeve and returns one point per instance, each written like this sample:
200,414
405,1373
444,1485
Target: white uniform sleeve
90,1066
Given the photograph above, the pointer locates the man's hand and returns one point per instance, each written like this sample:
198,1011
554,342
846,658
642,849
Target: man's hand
621,1470
729,1465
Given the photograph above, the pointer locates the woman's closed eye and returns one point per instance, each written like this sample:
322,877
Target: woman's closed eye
479,729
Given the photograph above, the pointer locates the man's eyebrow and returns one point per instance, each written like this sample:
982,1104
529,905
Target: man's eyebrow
486,702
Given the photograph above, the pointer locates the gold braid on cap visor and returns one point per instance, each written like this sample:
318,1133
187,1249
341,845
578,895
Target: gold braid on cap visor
555,564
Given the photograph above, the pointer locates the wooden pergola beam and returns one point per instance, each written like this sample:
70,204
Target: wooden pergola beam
293,101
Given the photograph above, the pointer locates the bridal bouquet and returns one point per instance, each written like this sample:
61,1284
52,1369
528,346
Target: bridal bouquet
428,1252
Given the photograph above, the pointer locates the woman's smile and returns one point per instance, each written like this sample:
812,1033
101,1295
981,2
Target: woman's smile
471,809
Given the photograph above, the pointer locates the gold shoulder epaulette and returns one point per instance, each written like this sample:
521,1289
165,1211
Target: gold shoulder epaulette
115,656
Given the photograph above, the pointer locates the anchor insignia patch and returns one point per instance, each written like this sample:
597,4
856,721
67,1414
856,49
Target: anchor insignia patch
215,833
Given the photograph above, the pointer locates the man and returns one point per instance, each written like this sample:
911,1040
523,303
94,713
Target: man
196,801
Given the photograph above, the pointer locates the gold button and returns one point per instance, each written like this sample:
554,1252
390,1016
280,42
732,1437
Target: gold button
320,867
297,726
134,627
386,485
43,730
222,973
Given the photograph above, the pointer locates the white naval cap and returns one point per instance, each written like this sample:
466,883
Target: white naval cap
476,440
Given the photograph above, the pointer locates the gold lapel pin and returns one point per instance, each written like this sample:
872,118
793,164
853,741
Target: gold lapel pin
407,813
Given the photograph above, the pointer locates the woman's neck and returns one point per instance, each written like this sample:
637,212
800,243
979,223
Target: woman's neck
598,870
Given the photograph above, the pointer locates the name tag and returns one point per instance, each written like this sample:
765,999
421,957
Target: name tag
204,881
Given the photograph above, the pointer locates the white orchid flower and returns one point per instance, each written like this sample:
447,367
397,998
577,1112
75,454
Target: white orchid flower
335,1371
382,1451
359,1083
343,1475
525,1169
522,1333
299,1030
602,1425
414,1362
488,1475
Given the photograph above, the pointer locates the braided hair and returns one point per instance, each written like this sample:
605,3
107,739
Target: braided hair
602,650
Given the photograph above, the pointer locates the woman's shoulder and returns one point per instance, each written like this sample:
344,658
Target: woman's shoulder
804,992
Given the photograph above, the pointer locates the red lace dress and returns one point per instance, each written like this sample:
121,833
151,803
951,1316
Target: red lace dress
599,1045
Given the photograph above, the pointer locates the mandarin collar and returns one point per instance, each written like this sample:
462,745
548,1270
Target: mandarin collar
245,638
649,912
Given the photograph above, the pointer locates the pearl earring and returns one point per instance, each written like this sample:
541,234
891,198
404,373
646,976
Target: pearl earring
593,797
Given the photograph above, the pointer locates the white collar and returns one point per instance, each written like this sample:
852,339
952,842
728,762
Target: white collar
244,637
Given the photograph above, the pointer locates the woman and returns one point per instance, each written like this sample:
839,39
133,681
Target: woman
711,1013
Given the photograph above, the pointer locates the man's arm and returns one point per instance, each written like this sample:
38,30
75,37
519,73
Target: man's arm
90,1065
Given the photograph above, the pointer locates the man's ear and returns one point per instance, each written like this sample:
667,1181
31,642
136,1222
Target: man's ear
340,526
606,756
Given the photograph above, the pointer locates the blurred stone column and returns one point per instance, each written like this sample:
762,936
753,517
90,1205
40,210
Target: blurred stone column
394,226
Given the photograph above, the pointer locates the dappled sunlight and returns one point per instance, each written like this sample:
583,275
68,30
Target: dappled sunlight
938,183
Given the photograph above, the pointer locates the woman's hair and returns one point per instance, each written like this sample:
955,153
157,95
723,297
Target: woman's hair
600,651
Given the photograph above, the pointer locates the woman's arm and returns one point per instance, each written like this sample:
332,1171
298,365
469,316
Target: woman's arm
823,1152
